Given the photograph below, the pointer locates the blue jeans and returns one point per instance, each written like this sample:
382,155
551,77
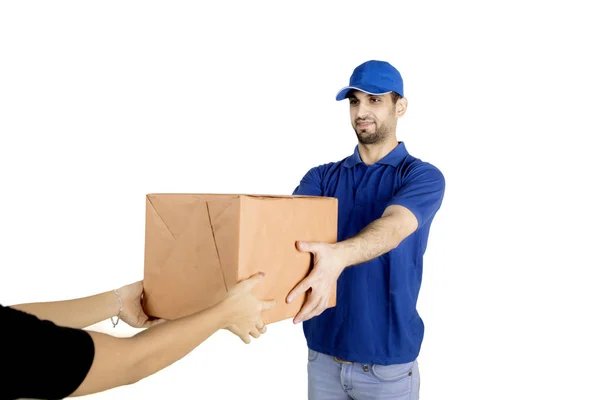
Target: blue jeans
332,379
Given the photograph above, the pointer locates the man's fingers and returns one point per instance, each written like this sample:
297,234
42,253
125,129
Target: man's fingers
306,309
314,307
308,247
301,287
321,307
314,312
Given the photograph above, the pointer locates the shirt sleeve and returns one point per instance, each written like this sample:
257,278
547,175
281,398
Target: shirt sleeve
40,359
421,191
310,184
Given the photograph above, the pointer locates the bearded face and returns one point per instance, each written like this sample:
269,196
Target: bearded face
373,117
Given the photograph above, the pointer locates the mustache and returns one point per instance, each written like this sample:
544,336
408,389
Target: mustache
359,120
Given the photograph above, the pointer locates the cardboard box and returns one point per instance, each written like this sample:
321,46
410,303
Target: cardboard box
197,246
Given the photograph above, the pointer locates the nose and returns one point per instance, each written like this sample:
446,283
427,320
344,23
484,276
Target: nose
362,111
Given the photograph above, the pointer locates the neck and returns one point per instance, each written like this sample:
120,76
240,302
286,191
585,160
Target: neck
371,153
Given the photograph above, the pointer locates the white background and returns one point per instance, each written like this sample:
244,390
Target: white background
103,102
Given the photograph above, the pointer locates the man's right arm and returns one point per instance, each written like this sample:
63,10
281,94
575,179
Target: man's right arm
310,184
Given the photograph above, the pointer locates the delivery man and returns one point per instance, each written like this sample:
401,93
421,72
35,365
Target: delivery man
366,347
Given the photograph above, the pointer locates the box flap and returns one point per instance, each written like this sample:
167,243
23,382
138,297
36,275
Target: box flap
182,273
225,222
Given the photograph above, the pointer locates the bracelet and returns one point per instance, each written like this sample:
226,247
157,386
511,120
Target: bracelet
120,309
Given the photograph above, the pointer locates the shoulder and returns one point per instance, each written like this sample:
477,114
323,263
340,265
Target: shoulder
323,170
13,315
328,166
22,321
415,168
47,346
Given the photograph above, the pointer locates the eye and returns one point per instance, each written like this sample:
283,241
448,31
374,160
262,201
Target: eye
353,101
375,99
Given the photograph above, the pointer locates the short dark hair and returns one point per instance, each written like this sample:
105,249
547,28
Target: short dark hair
395,97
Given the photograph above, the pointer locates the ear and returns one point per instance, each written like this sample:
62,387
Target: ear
401,105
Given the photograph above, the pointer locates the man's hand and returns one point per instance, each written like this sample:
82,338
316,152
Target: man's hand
328,266
133,313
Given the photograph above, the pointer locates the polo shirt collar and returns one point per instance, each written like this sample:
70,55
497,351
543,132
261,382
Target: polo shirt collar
393,158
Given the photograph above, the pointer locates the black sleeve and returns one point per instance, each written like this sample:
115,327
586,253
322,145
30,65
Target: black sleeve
39,359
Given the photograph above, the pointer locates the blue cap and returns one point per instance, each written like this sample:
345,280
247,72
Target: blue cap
374,77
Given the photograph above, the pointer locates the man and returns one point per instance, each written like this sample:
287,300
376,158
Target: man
367,346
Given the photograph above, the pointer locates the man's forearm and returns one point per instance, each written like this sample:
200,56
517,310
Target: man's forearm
123,361
76,313
377,238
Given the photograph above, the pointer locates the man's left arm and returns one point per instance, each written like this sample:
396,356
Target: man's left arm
379,237
415,203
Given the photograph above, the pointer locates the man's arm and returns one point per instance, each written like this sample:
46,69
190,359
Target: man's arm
310,184
417,200
379,237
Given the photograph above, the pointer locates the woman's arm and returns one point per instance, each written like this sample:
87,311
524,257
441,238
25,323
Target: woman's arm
123,361
91,362
86,311
77,313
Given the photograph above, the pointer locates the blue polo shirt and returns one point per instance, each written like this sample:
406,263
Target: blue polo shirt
376,319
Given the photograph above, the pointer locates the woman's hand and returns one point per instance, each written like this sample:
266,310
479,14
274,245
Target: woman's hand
244,310
133,313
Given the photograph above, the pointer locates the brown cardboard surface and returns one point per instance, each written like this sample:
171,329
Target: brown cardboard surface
197,246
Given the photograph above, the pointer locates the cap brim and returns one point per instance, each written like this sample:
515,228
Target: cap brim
374,90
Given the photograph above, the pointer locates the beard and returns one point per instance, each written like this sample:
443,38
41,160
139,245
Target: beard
368,136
